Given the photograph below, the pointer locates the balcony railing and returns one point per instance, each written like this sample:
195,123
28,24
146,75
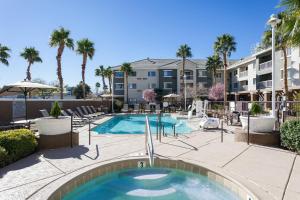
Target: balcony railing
244,88
243,74
264,84
265,65
189,77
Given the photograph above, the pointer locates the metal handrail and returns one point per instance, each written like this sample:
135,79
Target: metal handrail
149,143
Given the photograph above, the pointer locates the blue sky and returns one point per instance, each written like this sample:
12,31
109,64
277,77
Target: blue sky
124,31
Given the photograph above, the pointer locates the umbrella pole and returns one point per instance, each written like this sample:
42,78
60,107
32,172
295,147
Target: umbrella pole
25,95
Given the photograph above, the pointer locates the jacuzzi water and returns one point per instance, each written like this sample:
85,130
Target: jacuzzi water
151,184
135,124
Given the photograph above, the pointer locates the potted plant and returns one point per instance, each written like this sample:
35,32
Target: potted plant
258,122
55,124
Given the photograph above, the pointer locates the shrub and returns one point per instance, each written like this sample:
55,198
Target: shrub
17,144
3,157
290,135
118,105
256,109
55,110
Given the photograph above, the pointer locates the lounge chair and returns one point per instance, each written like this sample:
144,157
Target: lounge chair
86,112
82,114
136,108
76,120
44,113
147,108
157,107
89,108
125,108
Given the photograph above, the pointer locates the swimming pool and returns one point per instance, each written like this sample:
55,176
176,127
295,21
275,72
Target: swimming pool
135,124
151,184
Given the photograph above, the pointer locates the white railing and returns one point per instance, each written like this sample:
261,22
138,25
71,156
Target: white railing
265,65
149,143
243,87
243,74
264,84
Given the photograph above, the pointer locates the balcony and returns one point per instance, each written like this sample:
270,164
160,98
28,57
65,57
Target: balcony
243,87
189,77
265,65
243,74
264,84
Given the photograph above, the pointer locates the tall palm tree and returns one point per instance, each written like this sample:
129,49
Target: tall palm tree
224,46
61,38
183,52
97,85
108,74
31,55
4,54
100,72
127,70
85,48
213,63
282,41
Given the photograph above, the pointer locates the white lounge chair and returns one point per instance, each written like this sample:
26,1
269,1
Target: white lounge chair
136,108
125,108
147,108
157,107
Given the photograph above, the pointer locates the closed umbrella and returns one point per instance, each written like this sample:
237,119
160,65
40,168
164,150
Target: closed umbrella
24,87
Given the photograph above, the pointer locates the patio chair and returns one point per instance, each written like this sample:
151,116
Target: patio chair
147,108
82,114
44,113
157,107
76,120
136,108
125,108
74,114
86,112
89,108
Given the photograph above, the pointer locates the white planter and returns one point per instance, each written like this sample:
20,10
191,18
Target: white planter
260,124
53,126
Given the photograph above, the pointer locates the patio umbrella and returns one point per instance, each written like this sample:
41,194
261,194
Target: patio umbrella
24,87
172,95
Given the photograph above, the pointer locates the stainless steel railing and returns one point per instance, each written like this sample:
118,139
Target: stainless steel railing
149,143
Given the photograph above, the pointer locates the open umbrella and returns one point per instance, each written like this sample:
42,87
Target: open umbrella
172,95
24,87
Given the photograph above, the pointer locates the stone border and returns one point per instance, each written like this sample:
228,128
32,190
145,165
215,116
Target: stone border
58,188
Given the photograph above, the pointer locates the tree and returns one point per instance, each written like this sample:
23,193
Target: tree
282,41
31,55
85,48
4,54
224,46
183,52
97,85
213,63
149,95
100,72
108,74
78,92
216,92
61,38
293,23
127,70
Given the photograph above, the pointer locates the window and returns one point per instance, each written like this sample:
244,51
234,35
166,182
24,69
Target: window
152,85
151,73
119,86
119,74
132,100
202,73
254,81
235,72
168,85
218,75
235,85
289,51
281,74
167,73
133,73
132,85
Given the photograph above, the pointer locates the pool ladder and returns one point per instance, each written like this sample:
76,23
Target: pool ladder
149,143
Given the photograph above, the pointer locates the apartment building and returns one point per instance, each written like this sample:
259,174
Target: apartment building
251,77
163,74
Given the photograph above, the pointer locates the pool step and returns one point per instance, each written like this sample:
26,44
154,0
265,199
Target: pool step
150,193
150,176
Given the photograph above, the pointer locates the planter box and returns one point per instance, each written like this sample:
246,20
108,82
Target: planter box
58,141
53,126
260,124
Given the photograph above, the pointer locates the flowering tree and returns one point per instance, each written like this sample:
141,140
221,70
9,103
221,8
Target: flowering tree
149,95
216,92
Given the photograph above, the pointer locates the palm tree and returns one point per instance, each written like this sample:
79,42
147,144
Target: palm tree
100,72
4,54
31,55
85,48
224,46
213,63
282,41
127,70
97,85
183,52
108,74
61,38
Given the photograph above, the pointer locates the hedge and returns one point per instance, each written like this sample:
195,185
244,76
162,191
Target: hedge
16,144
290,135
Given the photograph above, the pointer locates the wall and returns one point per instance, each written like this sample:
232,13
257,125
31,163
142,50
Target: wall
34,105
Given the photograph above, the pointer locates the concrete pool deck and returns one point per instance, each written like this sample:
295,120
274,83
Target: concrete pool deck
270,173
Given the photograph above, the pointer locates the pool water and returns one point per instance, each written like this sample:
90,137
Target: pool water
151,184
135,124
